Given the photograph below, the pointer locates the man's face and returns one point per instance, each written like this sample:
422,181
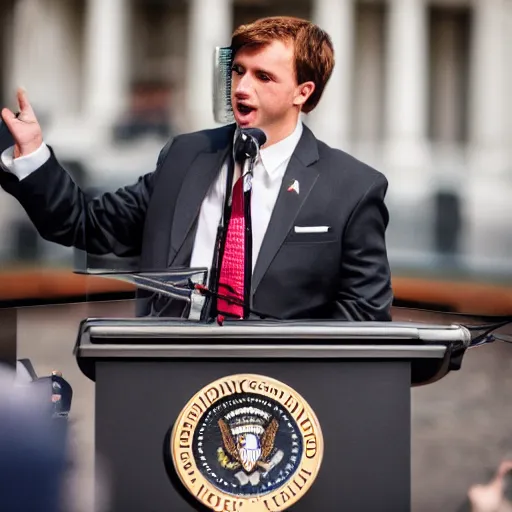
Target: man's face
264,91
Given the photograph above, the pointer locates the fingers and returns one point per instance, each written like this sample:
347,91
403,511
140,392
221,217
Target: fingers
504,468
484,498
23,102
7,114
22,98
9,118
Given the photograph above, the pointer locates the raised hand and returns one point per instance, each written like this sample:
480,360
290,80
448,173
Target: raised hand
24,127
489,497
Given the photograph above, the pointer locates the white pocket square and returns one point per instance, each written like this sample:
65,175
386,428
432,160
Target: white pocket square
312,229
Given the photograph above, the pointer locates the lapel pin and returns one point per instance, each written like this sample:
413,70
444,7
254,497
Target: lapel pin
294,187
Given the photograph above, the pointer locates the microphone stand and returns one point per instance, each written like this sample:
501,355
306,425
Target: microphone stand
247,184
245,153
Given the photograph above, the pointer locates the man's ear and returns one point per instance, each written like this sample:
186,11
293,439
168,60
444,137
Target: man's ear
304,91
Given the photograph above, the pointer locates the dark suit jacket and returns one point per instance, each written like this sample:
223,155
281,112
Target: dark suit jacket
340,274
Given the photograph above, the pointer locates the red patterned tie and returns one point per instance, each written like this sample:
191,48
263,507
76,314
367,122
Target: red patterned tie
231,278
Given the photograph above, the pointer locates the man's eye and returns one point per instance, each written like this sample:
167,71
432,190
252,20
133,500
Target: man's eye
236,69
264,77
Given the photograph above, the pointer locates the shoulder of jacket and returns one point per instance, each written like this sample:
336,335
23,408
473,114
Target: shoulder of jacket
206,139
353,167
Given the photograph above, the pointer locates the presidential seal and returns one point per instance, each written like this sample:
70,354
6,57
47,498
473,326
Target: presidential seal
247,443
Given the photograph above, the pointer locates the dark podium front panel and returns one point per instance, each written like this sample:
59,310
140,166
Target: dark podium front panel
356,378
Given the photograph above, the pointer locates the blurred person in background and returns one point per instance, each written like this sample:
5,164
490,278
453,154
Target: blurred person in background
318,214
33,454
39,470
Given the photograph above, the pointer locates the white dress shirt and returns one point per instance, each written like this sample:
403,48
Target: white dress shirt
267,179
25,165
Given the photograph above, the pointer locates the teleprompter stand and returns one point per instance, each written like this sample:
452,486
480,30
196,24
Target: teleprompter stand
357,378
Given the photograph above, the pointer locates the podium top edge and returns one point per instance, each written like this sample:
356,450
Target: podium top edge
176,328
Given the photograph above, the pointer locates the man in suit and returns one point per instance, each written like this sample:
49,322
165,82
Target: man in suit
318,214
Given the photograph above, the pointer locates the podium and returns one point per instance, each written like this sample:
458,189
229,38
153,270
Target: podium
357,378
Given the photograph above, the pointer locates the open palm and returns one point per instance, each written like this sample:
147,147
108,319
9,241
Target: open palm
23,126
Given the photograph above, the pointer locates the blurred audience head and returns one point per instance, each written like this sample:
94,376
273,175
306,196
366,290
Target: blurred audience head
32,447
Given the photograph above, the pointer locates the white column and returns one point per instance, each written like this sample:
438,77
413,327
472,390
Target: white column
107,48
406,92
28,69
63,43
488,200
368,75
45,56
488,93
331,119
508,58
210,25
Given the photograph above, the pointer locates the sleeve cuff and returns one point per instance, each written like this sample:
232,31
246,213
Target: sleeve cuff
25,165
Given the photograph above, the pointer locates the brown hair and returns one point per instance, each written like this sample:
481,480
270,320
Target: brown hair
314,53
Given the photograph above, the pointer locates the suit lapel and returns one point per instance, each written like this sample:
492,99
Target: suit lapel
195,186
289,202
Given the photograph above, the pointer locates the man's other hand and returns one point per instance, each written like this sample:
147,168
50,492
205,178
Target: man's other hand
24,127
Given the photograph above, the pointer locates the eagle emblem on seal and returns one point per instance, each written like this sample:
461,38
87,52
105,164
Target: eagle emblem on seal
248,438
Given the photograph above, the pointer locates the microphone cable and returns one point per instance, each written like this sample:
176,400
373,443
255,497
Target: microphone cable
204,290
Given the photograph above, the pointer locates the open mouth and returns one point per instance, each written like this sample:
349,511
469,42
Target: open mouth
244,109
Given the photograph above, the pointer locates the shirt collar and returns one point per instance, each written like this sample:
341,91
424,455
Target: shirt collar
273,156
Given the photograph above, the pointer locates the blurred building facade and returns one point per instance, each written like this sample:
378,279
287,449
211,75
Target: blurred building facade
419,91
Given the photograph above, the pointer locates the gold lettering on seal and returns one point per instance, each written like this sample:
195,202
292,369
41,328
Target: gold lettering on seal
212,395
310,442
220,390
269,390
205,405
310,446
291,404
187,466
185,433
263,387
227,388
195,413
280,499
242,386
217,502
